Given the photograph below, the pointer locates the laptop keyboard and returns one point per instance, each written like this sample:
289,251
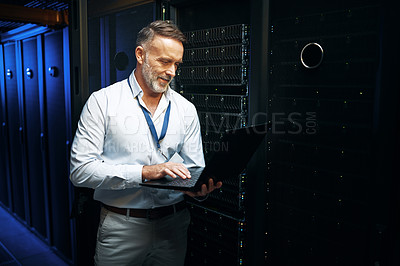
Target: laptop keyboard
180,182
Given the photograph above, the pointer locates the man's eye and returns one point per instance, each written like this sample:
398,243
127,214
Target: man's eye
164,62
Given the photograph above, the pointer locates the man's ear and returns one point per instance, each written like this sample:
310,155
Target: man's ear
139,53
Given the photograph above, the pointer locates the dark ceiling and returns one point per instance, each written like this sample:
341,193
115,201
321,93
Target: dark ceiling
7,25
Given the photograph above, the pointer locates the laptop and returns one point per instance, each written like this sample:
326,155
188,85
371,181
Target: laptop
228,159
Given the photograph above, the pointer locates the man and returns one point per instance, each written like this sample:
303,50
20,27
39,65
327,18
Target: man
127,133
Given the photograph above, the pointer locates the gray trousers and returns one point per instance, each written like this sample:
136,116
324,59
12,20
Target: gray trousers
124,240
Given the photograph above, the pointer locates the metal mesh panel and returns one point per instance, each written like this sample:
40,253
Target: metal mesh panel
319,155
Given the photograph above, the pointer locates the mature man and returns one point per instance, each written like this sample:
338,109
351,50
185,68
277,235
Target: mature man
127,133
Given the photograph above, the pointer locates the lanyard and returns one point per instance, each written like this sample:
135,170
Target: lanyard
151,124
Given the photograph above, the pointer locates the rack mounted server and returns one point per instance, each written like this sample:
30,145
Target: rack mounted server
214,77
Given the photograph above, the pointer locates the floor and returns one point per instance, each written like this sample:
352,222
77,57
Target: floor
19,246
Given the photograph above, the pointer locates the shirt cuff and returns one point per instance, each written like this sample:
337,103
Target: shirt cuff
133,175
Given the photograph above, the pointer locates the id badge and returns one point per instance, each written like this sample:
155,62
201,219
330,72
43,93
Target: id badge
176,158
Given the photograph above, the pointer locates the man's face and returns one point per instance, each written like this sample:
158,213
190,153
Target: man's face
161,59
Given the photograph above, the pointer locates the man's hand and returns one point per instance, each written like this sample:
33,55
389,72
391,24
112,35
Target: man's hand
158,171
204,189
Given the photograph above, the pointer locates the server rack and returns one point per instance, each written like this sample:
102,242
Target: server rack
35,115
5,185
214,77
320,183
327,161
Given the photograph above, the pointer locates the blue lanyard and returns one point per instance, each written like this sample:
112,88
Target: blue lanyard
151,125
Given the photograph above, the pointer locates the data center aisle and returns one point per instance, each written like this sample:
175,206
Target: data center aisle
19,246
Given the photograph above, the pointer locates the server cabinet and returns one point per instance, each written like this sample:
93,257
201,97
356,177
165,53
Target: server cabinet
35,117
324,66
15,130
5,185
57,142
322,172
215,239
33,137
214,76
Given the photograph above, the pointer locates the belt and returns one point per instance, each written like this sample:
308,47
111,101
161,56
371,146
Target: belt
155,213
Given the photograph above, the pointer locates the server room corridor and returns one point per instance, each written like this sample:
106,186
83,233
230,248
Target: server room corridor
322,189
19,246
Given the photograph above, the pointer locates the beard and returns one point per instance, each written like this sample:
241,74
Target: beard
151,79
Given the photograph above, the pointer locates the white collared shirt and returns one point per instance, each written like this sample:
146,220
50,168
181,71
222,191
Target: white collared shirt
113,142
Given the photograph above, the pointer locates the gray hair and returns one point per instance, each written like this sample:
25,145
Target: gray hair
162,28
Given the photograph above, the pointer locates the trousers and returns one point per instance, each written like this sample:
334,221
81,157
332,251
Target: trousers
125,240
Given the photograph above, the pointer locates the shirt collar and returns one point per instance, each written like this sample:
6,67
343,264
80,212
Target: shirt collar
137,90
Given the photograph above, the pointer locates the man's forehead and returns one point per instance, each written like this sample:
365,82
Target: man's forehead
166,47
160,42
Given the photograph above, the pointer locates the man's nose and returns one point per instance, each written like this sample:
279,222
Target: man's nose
171,71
